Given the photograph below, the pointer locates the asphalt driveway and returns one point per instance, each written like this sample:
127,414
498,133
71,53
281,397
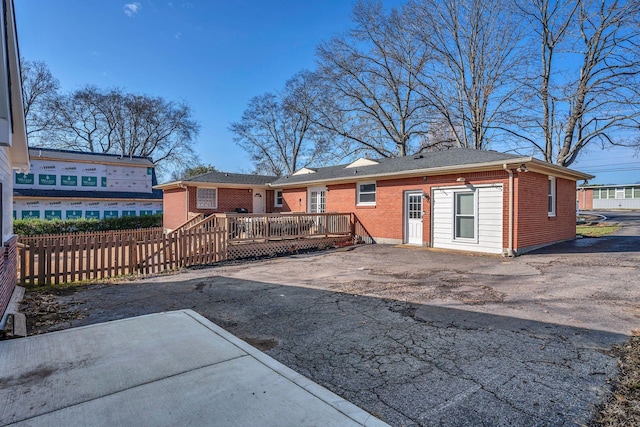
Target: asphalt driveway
415,337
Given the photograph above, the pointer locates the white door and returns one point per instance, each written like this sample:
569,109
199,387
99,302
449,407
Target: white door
413,218
259,197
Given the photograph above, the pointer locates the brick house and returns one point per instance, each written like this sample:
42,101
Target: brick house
471,200
14,154
464,199
607,197
216,192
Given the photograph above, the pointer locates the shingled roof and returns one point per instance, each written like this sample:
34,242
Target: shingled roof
40,153
455,160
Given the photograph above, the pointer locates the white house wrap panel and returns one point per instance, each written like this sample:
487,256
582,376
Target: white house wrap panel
463,222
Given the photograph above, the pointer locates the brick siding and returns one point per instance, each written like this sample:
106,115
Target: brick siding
585,198
532,225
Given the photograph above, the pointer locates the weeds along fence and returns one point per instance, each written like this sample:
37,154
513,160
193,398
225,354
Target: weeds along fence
66,258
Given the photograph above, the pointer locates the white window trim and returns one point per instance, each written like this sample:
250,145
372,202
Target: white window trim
200,205
553,195
317,189
375,193
275,198
476,237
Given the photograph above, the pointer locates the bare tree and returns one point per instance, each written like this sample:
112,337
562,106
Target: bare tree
277,131
370,73
39,90
91,119
192,171
589,81
472,80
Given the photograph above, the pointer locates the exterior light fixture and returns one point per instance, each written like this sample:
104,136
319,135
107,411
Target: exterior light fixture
522,168
461,179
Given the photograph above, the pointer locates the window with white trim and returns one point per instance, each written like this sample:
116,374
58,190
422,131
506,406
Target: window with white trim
277,198
366,193
317,199
207,198
552,196
465,213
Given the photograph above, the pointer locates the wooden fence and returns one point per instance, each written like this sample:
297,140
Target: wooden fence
88,256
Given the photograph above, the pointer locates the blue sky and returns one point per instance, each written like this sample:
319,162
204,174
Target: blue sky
213,54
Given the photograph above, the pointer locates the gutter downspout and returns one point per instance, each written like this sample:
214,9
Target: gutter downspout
510,252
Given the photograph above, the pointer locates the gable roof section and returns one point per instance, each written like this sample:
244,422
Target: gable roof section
40,153
221,179
450,161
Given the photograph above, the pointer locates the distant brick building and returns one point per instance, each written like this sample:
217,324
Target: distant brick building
64,184
605,197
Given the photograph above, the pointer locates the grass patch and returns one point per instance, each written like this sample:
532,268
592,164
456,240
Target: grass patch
595,230
623,406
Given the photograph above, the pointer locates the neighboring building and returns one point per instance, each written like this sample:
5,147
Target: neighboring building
596,197
217,192
66,184
472,200
14,154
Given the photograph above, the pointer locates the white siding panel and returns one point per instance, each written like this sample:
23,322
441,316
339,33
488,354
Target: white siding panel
6,177
489,220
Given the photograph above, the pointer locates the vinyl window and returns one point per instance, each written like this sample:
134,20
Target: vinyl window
465,216
277,198
366,193
552,196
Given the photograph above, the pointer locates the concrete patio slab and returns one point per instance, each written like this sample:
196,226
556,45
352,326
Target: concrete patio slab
172,368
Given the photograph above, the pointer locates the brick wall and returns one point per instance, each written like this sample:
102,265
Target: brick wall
533,226
174,208
294,200
8,272
585,198
385,220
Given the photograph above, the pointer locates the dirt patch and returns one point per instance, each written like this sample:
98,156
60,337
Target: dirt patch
262,344
623,406
44,311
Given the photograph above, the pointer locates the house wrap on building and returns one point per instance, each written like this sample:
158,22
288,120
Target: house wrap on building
64,184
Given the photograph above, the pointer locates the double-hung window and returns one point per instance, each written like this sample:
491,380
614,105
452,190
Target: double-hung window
465,213
366,193
552,196
277,198
207,198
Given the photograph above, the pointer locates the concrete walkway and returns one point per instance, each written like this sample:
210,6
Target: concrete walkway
166,369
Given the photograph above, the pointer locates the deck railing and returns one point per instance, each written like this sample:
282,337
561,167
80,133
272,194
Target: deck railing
263,227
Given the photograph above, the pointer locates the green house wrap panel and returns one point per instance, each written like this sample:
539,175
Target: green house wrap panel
89,181
73,214
52,214
92,214
22,178
69,181
47,179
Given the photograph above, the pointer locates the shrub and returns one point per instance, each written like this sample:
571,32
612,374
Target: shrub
37,227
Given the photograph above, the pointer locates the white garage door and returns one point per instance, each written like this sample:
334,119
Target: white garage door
468,218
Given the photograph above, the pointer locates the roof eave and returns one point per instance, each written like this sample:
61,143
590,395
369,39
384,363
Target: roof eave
446,170
184,184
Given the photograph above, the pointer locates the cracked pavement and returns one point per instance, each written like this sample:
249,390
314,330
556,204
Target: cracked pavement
416,337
